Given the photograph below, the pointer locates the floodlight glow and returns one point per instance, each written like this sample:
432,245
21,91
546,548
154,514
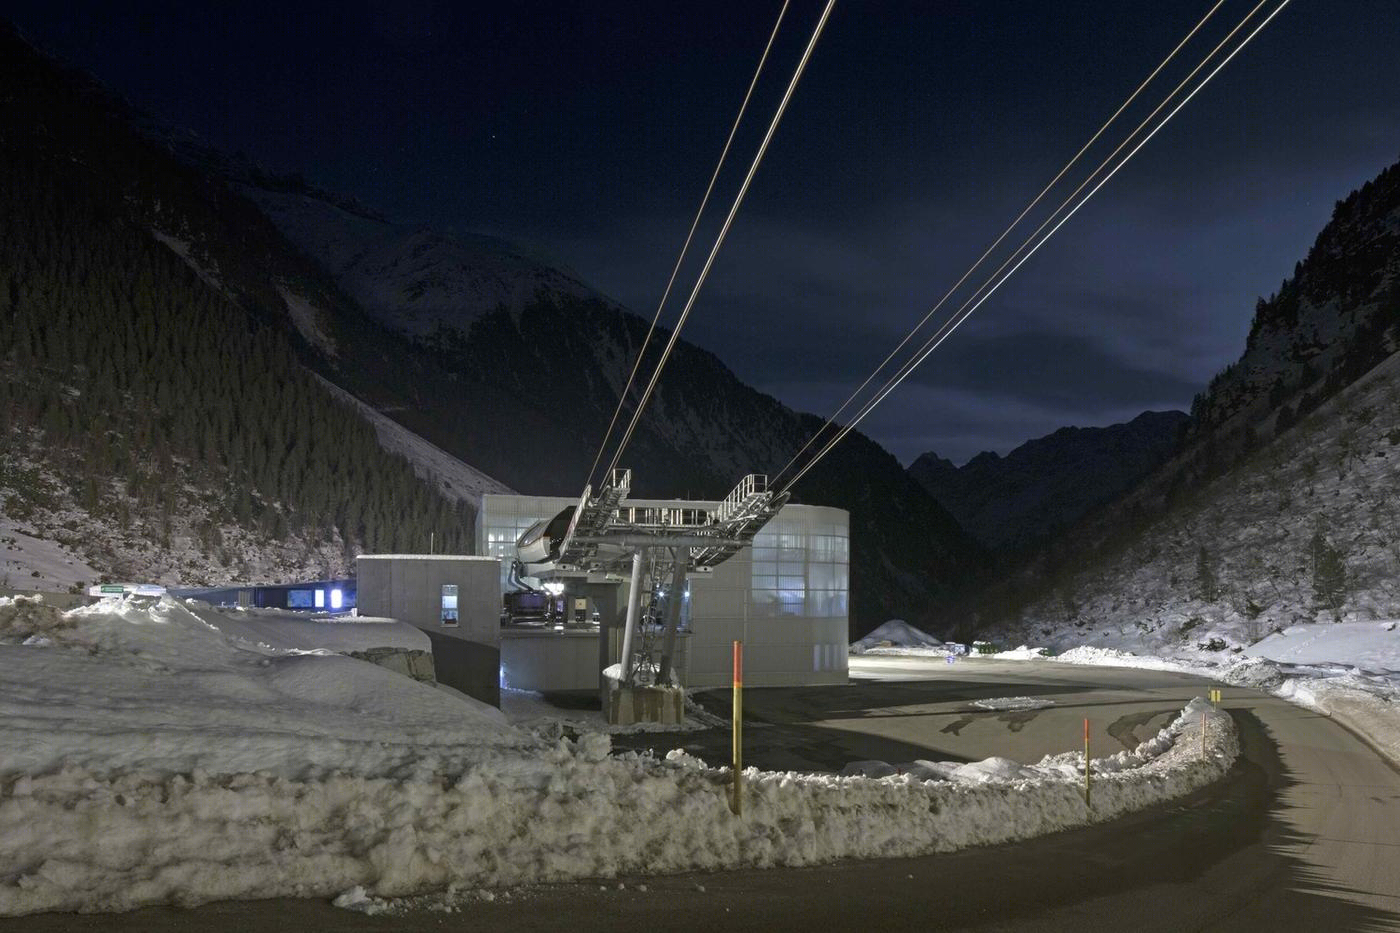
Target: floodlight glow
554,587
337,599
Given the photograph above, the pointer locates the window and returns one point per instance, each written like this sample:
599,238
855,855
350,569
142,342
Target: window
320,599
298,599
449,604
337,599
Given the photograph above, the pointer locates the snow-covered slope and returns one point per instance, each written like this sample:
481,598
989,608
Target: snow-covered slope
455,479
28,562
55,537
1306,529
1367,646
416,279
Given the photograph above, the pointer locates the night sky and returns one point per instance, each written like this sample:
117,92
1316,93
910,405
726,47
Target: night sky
919,131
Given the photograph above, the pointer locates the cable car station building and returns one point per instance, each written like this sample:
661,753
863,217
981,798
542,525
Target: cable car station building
786,596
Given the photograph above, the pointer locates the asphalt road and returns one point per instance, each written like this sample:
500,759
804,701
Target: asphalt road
1303,835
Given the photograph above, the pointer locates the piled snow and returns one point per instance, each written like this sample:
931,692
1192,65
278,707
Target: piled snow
171,688
1023,653
896,636
1013,703
152,757
299,631
1114,657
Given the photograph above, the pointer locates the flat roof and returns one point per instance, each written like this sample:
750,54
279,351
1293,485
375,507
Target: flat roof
423,557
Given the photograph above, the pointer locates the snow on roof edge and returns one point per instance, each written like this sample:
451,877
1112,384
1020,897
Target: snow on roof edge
423,557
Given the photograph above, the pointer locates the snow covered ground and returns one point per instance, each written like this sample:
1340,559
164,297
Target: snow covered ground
28,562
1348,670
164,752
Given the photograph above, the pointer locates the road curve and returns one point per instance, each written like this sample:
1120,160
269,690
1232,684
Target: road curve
1303,835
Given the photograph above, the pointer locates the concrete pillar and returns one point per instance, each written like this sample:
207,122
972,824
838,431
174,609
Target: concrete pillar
605,599
634,604
681,558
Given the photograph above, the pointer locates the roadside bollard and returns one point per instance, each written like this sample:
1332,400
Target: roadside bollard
736,797
1203,734
1086,762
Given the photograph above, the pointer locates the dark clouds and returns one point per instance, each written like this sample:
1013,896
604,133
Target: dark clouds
919,131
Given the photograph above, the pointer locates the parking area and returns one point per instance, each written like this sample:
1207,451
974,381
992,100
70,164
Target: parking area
904,709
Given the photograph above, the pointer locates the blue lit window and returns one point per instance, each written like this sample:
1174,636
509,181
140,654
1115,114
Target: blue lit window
449,604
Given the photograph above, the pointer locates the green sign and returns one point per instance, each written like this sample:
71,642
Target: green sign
113,588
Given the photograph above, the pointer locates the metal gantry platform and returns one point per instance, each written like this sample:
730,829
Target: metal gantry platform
654,548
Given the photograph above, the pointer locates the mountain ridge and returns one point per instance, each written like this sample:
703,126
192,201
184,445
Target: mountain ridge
1015,502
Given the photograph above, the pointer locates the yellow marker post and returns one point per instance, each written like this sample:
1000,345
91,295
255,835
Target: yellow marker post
1203,734
736,799
1086,762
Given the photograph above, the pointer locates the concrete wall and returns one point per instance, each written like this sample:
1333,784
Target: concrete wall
409,588
546,660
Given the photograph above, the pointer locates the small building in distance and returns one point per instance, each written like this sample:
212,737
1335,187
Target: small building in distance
454,599
311,595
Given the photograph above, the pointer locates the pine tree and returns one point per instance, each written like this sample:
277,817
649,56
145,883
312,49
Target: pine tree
1329,573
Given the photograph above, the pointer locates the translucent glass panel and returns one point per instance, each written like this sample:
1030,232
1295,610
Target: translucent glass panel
503,519
800,568
774,603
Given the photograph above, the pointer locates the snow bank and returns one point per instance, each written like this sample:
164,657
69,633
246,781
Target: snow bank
159,686
297,631
1013,703
71,841
1023,653
148,757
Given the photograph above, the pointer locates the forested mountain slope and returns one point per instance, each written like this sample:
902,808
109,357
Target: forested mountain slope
156,422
